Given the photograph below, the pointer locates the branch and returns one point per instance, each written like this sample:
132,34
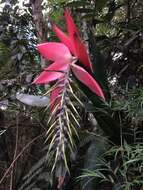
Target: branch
18,156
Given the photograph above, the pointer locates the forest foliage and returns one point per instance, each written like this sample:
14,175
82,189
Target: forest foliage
106,150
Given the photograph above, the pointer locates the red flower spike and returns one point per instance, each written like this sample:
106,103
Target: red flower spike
53,72
71,27
54,51
81,52
64,38
73,41
83,76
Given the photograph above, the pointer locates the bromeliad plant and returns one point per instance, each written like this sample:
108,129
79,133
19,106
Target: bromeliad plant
70,59
65,55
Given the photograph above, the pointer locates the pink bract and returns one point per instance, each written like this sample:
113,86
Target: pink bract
63,61
73,41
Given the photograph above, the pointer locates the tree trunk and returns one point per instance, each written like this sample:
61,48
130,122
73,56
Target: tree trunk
40,26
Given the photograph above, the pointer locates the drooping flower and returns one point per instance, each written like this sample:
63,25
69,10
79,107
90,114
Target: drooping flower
65,55
64,62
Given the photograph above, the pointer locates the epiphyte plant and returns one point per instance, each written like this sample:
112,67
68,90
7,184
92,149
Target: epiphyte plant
64,120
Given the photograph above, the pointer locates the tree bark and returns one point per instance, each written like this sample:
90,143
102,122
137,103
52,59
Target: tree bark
40,26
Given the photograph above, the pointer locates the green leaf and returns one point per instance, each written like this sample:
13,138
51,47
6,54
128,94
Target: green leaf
103,115
99,73
98,64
